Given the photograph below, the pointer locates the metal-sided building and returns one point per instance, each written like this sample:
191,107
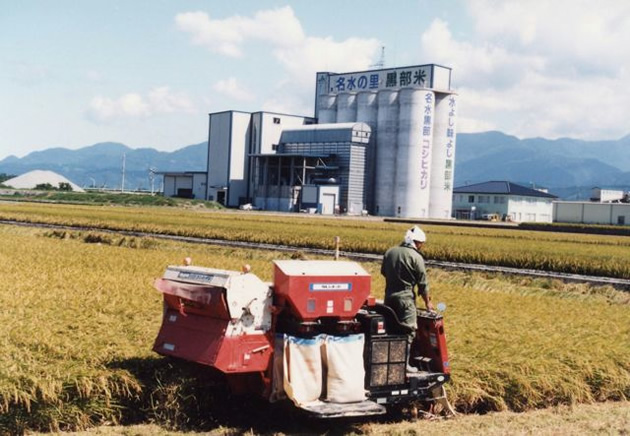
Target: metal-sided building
319,155
185,184
607,206
504,199
233,138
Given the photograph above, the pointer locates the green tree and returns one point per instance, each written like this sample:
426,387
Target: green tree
44,187
4,177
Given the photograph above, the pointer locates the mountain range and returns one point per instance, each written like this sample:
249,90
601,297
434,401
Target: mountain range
100,165
567,167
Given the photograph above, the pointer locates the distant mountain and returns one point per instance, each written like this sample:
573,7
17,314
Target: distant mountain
101,164
569,168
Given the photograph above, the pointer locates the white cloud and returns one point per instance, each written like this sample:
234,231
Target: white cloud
163,100
476,64
287,98
301,56
226,36
30,74
232,88
324,54
539,68
570,33
133,105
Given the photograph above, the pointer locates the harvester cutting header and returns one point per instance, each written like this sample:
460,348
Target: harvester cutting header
314,335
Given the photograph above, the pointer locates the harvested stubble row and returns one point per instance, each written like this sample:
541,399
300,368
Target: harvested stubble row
79,319
599,255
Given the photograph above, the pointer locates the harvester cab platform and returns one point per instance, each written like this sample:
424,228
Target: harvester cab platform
314,336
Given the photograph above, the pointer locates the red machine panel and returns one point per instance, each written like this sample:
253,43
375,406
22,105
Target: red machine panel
431,341
203,340
319,288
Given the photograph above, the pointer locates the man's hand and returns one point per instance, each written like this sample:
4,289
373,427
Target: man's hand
430,307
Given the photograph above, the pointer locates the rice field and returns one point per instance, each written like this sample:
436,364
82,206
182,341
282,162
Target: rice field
79,316
601,255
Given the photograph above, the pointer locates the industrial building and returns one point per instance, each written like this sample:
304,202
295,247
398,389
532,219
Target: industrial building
384,143
607,206
320,167
185,184
503,200
234,137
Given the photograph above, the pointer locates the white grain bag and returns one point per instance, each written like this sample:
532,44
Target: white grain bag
346,373
277,386
303,369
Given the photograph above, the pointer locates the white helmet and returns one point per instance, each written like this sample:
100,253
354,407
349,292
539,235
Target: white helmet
415,234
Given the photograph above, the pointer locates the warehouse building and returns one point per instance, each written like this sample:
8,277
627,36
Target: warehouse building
502,200
185,184
607,206
403,166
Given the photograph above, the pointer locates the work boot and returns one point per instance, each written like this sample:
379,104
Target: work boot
409,368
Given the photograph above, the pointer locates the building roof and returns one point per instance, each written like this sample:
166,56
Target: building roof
501,187
37,177
322,133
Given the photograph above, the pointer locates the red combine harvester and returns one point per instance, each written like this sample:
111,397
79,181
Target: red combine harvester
315,336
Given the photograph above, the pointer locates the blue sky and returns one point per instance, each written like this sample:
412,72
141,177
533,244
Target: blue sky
147,72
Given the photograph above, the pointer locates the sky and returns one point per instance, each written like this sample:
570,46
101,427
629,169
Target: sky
146,73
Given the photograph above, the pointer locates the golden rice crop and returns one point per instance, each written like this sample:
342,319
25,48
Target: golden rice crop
78,321
571,253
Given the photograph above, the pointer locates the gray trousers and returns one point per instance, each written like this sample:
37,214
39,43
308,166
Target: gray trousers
405,308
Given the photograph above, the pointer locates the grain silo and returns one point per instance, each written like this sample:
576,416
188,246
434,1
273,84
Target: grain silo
413,157
367,112
327,110
413,152
346,107
386,148
443,157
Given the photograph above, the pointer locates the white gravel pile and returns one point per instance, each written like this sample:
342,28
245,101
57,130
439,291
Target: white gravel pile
36,177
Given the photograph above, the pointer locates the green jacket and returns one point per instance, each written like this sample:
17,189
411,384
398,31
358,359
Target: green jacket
403,268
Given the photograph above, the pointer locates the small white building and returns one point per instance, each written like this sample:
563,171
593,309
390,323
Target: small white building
603,195
506,200
185,184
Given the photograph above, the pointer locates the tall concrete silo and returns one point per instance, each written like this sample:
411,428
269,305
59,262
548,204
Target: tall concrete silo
367,112
386,150
443,157
413,157
327,112
346,107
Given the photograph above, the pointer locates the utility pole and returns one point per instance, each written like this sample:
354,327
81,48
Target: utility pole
152,171
122,184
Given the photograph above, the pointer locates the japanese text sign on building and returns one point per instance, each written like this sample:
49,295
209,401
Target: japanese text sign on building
450,144
424,76
427,134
